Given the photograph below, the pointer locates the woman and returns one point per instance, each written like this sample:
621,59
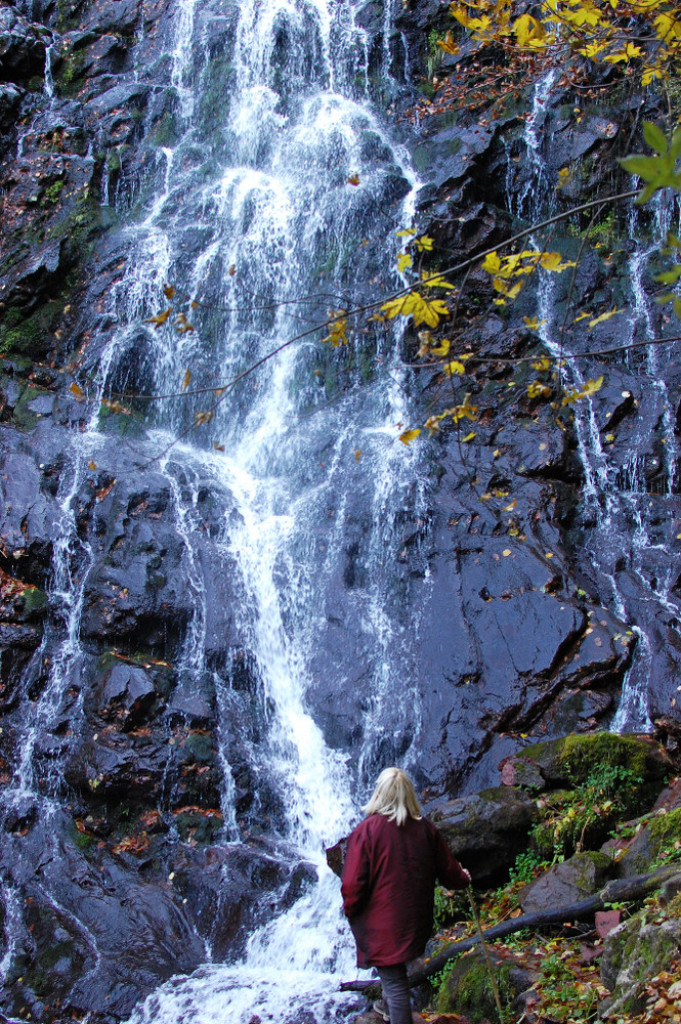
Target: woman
392,861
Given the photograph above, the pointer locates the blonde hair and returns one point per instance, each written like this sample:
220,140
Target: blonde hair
394,796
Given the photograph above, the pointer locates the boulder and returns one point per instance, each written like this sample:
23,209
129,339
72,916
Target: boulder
566,883
570,760
487,830
633,953
466,988
658,838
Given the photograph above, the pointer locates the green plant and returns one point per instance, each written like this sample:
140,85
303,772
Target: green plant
448,907
607,791
526,866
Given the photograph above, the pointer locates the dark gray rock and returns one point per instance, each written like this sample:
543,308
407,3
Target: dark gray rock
486,830
564,884
22,47
633,953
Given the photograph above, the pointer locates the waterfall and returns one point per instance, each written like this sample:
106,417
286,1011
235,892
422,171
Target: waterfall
263,174
616,513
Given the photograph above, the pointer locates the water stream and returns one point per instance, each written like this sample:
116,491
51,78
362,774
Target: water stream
617,510
261,176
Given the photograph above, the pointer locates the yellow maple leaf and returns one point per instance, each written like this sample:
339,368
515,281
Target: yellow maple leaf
404,260
529,32
409,435
424,311
463,411
436,281
424,243
337,325
442,349
552,261
491,263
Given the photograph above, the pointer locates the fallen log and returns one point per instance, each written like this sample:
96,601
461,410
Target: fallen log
621,889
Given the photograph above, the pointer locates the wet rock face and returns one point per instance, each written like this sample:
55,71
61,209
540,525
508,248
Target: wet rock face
510,630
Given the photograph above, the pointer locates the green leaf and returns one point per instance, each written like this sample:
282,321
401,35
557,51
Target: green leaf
669,276
675,144
655,137
645,167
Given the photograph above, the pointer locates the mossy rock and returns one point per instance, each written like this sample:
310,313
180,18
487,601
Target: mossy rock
467,988
658,840
571,881
572,759
633,954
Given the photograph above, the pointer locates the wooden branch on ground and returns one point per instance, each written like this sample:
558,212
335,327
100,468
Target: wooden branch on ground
621,889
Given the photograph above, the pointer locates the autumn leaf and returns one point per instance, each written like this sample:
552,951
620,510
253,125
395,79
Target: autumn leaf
538,390
590,388
353,179
424,243
442,349
115,407
468,437
160,318
463,411
77,392
424,311
491,263
337,325
404,260
604,316
182,325
169,291
448,45
435,281
186,380
552,261
455,367
530,33
409,435
200,418
232,269
533,323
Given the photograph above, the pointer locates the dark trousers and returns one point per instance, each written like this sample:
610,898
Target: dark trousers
396,993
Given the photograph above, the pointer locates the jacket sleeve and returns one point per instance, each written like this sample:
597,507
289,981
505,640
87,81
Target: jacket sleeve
356,881
449,872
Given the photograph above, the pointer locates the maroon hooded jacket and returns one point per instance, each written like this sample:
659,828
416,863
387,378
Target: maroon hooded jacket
388,883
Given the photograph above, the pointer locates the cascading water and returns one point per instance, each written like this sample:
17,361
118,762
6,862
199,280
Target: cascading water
265,175
617,509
